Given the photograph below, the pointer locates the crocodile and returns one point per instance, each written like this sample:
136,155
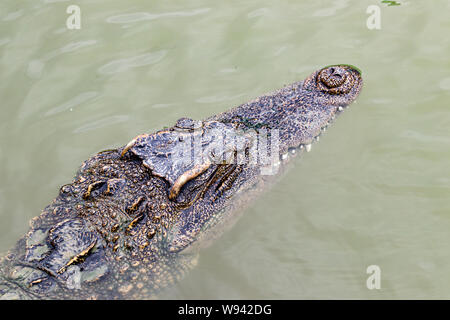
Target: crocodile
133,219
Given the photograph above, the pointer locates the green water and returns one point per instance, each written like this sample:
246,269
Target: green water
374,191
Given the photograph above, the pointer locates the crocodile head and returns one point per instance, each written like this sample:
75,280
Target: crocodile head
263,131
322,96
125,225
301,110
293,116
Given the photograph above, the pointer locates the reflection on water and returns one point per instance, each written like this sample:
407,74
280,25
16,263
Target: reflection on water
122,65
141,16
374,191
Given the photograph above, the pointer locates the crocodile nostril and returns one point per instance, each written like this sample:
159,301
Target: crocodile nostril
332,77
335,80
336,73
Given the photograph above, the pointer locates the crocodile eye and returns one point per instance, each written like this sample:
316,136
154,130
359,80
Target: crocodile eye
335,80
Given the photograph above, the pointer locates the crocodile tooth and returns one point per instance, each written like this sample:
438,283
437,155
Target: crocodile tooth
284,156
340,108
308,147
292,151
317,138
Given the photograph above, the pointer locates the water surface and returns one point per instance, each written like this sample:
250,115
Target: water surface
374,191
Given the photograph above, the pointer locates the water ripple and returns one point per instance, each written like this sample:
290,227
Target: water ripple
73,46
13,15
36,66
162,105
53,1
69,105
4,41
142,16
122,65
444,84
222,98
331,11
102,123
258,13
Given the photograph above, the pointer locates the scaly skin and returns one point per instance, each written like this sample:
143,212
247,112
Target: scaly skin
132,220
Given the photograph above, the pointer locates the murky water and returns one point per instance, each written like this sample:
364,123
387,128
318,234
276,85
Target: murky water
374,191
